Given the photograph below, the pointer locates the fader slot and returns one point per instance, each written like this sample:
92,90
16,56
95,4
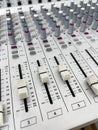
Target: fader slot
23,92
91,56
44,79
78,65
48,93
65,75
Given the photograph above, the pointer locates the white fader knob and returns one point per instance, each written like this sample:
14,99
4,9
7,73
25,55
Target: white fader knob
93,83
1,114
43,74
22,89
64,72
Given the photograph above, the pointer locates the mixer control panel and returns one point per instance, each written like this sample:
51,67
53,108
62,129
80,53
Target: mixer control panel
49,65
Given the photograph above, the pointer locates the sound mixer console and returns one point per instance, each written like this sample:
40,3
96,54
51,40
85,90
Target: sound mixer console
49,66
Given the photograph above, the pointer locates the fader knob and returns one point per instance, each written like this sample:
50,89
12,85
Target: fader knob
35,17
65,8
39,26
78,9
27,35
53,24
65,74
71,27
57,30
96,11
74,17
92,81
93,3
81,3
90,2
78,22
96,7
82,12
11,38
63,18
62,6
71,13
67,22
43,33
90,19
9,23
20,12
95,24
56,11
85,17
37,21
43,74
22,89
60,14
51,21
8,14
32,11
83,26
22,20
88,7
72,4
75,6
84,4
52,6
91,10
48,16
